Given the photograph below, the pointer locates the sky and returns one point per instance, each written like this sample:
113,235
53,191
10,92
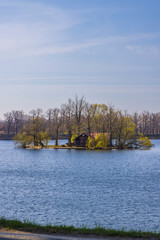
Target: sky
105,50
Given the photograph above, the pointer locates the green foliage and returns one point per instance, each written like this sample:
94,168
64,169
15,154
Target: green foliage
100,142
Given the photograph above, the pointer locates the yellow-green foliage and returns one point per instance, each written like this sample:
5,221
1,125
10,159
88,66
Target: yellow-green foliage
100,142
23,139
144,142
33,133
44,137
90,143
73,137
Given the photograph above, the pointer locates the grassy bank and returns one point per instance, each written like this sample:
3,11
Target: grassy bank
71,230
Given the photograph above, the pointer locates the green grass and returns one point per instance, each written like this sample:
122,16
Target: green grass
71,230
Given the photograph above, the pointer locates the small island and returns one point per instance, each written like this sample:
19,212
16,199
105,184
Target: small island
86,126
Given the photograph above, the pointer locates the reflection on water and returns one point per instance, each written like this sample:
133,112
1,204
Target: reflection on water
116,189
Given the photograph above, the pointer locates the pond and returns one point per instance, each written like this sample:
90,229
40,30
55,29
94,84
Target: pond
116,189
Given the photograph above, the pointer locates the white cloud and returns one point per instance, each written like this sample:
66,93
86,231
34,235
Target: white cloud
144,50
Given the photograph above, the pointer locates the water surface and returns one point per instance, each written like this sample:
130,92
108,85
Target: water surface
116,189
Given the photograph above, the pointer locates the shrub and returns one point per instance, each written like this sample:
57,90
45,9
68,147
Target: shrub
100,142
144,142
73,138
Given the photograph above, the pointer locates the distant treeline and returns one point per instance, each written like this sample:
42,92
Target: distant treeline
77,116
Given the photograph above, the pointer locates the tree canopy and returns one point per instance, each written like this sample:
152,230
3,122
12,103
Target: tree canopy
115,127
33,133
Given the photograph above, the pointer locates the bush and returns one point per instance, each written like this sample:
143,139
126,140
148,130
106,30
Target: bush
144,142
100,142
73,138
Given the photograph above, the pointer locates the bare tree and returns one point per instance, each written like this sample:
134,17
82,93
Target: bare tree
49,115
78,107
88,113
57,122
112,117
67,114
8,121
18,120
36,113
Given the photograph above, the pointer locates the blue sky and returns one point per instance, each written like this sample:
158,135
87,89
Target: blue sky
107,50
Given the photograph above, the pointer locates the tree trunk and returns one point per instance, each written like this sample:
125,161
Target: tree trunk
110,140
79,128
56,138
69,138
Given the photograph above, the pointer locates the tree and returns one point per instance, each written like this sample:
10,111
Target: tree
135,117
88,113
112,117
33,133
18,120
14,121
78,107
57,122
67,114
99,112
8,121
125,131
23,139
49,114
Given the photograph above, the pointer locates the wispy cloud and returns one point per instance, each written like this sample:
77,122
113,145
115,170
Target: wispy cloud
35,29
144,50
94,42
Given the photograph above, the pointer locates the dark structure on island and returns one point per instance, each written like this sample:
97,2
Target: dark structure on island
81,140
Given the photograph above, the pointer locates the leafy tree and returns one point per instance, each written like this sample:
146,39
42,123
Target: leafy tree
33,133
125,131
23,140
99,112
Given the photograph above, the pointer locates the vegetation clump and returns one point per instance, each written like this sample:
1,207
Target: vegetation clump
144,142
101,141
33,133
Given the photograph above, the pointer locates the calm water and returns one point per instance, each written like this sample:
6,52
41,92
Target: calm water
116,189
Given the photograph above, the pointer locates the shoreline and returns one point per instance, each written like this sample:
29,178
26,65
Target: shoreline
15,225
69,148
